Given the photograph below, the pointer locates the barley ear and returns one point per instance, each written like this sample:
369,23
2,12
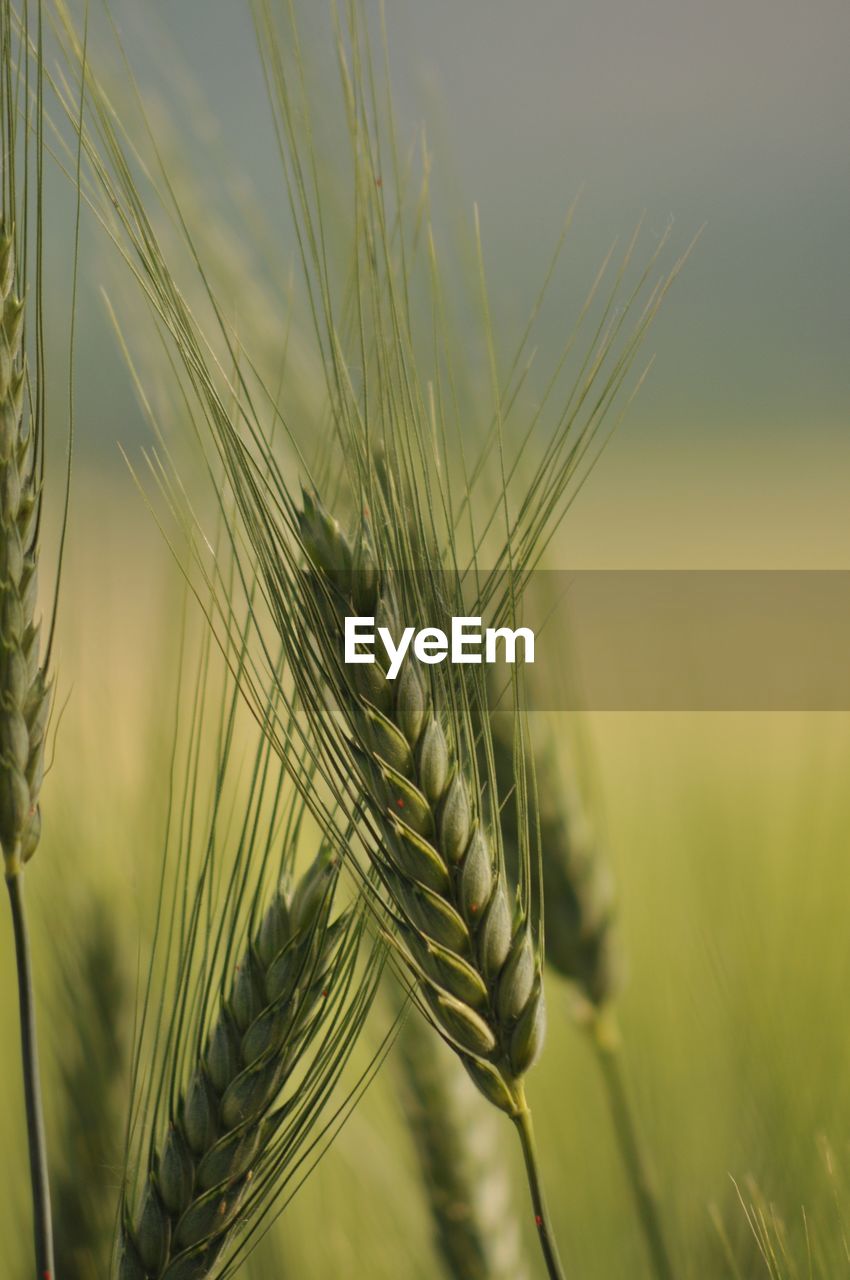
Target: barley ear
201,1170
472,954
582,943
24,687
471,951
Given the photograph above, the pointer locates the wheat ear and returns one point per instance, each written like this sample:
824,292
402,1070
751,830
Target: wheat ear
24,693
201,1172
582,942
582,946
463,1173
475,961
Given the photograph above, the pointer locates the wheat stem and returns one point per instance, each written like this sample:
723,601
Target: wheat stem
32,1089
582,946
24,680
477,965
606,1046
546,1236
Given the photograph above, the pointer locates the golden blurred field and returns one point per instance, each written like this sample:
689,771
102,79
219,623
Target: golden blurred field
728,834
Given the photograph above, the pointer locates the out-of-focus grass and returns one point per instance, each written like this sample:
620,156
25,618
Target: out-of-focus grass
729,837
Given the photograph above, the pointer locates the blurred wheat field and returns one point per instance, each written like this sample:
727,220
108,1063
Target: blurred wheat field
728,834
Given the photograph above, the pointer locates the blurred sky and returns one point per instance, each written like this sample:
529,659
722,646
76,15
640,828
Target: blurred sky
730,114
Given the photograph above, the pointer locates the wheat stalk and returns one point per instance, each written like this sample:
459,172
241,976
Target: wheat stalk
256,995
480,975
24,683
474,957
582,946
461,1165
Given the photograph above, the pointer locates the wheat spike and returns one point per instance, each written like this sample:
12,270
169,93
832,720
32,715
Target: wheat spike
582,943
477,965
24,689
201,1172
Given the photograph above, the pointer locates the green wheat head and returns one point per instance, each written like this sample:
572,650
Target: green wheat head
470,947
582,942
258,986
223,1119
24,685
